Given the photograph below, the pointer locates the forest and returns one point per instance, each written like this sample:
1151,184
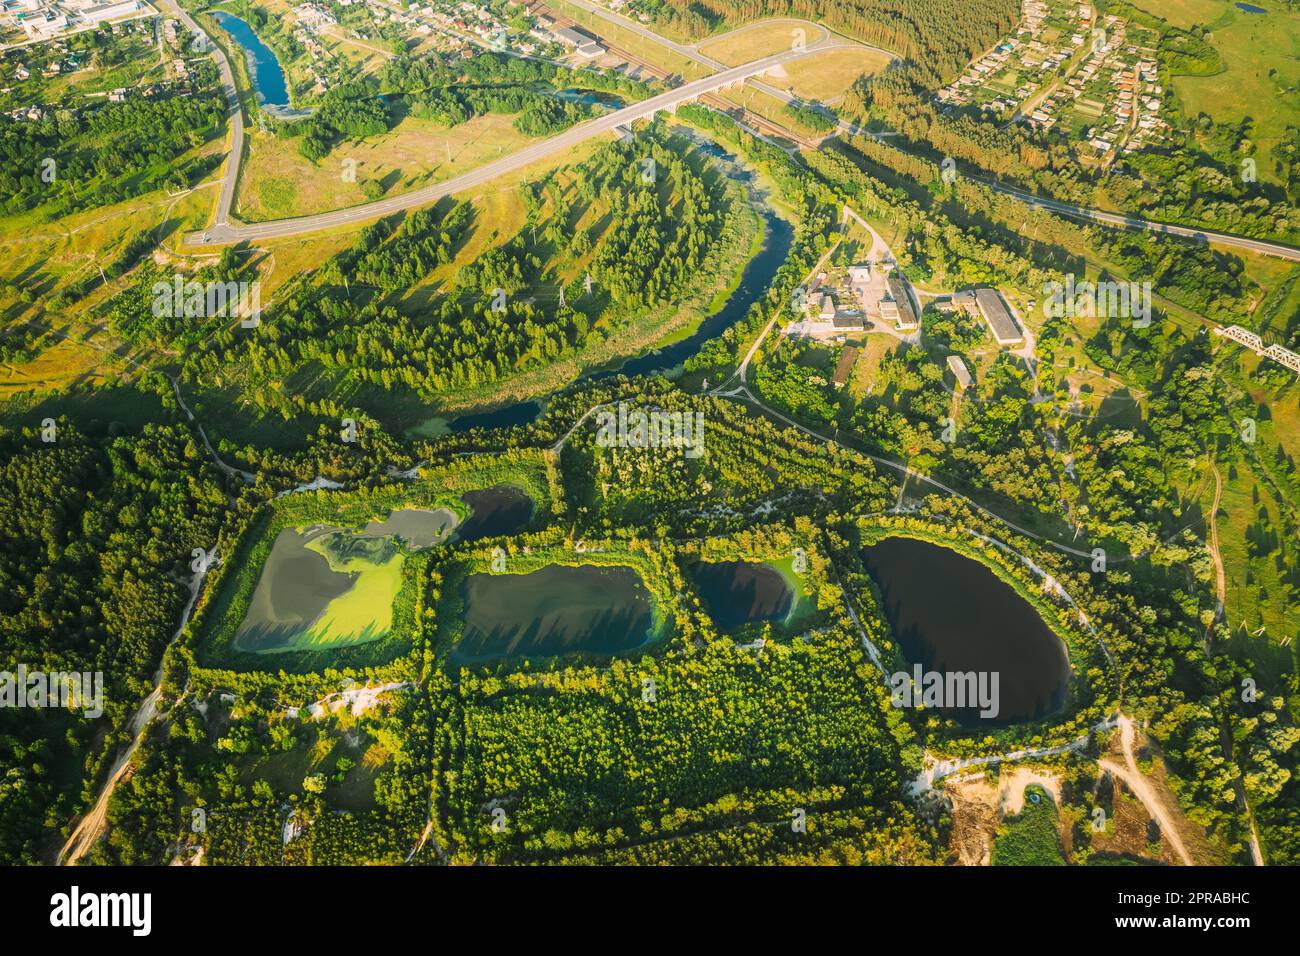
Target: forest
99,525
776,744
938,38
519,306
451,90
78,159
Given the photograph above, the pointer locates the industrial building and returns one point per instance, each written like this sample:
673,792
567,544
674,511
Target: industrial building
897,305
582,44
988,304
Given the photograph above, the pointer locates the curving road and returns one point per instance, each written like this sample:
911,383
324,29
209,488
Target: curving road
222,232
1137,782
230,176
691,51
1052,205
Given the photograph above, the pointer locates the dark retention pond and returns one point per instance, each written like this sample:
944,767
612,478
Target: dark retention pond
952,613
740,592
501,509
551,612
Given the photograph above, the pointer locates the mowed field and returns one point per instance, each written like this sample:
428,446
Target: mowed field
1261,78
761,39
1187,13
826,76
276,181
43,258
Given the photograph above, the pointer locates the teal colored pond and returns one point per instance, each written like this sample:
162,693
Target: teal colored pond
551,612
327,586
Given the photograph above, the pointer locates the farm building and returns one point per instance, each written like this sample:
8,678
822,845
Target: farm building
581,43
959,372
844,368
897,305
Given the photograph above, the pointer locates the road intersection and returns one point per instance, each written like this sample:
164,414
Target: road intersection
224,232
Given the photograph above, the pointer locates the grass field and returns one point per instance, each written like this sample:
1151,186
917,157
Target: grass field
1030,839
826,76
759,40
1261,76
43,258
318,747
1255,595
277,181
1187,13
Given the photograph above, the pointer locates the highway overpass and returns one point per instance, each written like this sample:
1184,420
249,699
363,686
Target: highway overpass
224,233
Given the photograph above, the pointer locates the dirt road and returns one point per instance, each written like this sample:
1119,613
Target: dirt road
1144,791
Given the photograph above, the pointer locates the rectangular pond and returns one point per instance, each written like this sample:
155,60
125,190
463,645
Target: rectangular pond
736,593
325,586
551,612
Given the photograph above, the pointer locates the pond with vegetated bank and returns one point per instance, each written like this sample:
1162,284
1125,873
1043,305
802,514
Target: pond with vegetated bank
951,613
736,593
327,586
553,611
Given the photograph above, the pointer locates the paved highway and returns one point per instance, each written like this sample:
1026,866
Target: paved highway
222,233
691,51
1065,209
230,176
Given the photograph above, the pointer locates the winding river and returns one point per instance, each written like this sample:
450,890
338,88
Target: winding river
778,236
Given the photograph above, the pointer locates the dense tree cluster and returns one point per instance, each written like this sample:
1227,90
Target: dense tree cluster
940,38
72,160
98,531
348,316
